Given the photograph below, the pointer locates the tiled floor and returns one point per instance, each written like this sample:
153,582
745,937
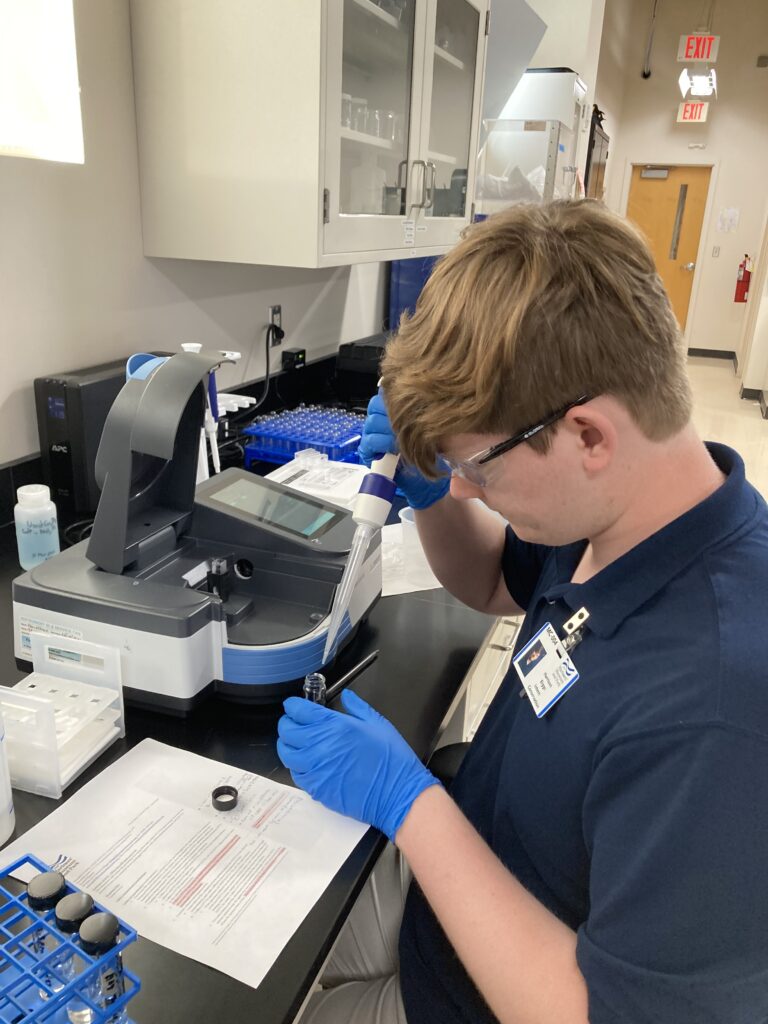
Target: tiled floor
720,415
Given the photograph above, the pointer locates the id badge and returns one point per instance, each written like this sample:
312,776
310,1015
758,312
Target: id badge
545,669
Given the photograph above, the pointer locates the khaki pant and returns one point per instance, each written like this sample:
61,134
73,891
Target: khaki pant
360,983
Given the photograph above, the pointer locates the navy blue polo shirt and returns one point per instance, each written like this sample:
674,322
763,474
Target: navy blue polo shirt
637,809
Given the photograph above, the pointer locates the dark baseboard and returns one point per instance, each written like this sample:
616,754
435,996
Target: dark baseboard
756,395
713,353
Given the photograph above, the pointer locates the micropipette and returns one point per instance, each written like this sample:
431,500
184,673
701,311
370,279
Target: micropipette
372,505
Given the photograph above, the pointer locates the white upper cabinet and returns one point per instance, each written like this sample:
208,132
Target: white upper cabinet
306,133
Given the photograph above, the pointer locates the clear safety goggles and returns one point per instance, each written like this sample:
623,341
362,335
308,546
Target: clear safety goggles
474,469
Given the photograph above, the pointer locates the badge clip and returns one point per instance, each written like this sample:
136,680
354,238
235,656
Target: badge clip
574,629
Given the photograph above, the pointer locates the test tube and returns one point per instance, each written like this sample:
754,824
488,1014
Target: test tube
71,911
98,935
314,687
43,893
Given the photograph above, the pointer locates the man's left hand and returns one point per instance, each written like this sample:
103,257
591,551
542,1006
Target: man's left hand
357,764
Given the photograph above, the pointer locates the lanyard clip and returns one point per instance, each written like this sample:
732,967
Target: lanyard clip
574,629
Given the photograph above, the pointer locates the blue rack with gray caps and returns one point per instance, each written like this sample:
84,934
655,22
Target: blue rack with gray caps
59,965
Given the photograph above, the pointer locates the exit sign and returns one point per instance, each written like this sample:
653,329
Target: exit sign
692,113
698,46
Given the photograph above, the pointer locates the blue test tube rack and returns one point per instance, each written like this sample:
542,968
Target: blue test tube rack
278,436
24,972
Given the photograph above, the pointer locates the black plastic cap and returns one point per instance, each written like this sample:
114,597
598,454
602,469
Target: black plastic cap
98,933
72,911
45,890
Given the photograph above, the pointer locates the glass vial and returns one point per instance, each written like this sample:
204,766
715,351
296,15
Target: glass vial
70,913
346,110
43,893
37,528
314,687
98,935
359,113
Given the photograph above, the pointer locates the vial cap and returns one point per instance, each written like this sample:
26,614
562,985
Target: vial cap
33,494
46,889
72,910
98,933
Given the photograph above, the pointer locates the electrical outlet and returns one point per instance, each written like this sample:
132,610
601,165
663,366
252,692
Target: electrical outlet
275,317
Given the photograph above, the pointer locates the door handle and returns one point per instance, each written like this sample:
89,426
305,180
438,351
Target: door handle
689,266
422,205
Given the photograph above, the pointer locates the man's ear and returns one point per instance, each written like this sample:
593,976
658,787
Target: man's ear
595,436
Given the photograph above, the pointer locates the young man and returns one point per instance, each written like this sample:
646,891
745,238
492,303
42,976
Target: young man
605,862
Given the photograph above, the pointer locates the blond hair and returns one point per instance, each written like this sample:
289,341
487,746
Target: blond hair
534,307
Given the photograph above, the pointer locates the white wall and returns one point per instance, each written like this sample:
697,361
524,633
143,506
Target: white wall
610,85
76,288
754,341
572,39
735,140
756,376
570,33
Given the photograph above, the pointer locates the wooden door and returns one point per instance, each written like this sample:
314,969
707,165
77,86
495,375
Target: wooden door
667,204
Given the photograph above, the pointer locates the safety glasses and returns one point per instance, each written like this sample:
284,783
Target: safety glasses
473,469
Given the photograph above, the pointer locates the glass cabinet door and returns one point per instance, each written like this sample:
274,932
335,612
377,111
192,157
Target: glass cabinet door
377,67
453,95
369,130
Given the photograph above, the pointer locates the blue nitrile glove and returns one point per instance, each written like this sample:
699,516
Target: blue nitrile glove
357,764
378,439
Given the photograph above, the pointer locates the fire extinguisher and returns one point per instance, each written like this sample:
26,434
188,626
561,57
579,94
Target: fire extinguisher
742,280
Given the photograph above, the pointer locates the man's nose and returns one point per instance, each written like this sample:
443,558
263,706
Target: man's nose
463,490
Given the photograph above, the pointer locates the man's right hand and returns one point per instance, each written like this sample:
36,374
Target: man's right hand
463,541
378,439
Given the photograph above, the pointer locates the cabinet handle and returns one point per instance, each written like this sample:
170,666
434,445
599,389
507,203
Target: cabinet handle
423,203
429,190
401,183
400,166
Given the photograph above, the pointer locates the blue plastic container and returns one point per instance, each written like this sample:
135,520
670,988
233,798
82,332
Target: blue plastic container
406,280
